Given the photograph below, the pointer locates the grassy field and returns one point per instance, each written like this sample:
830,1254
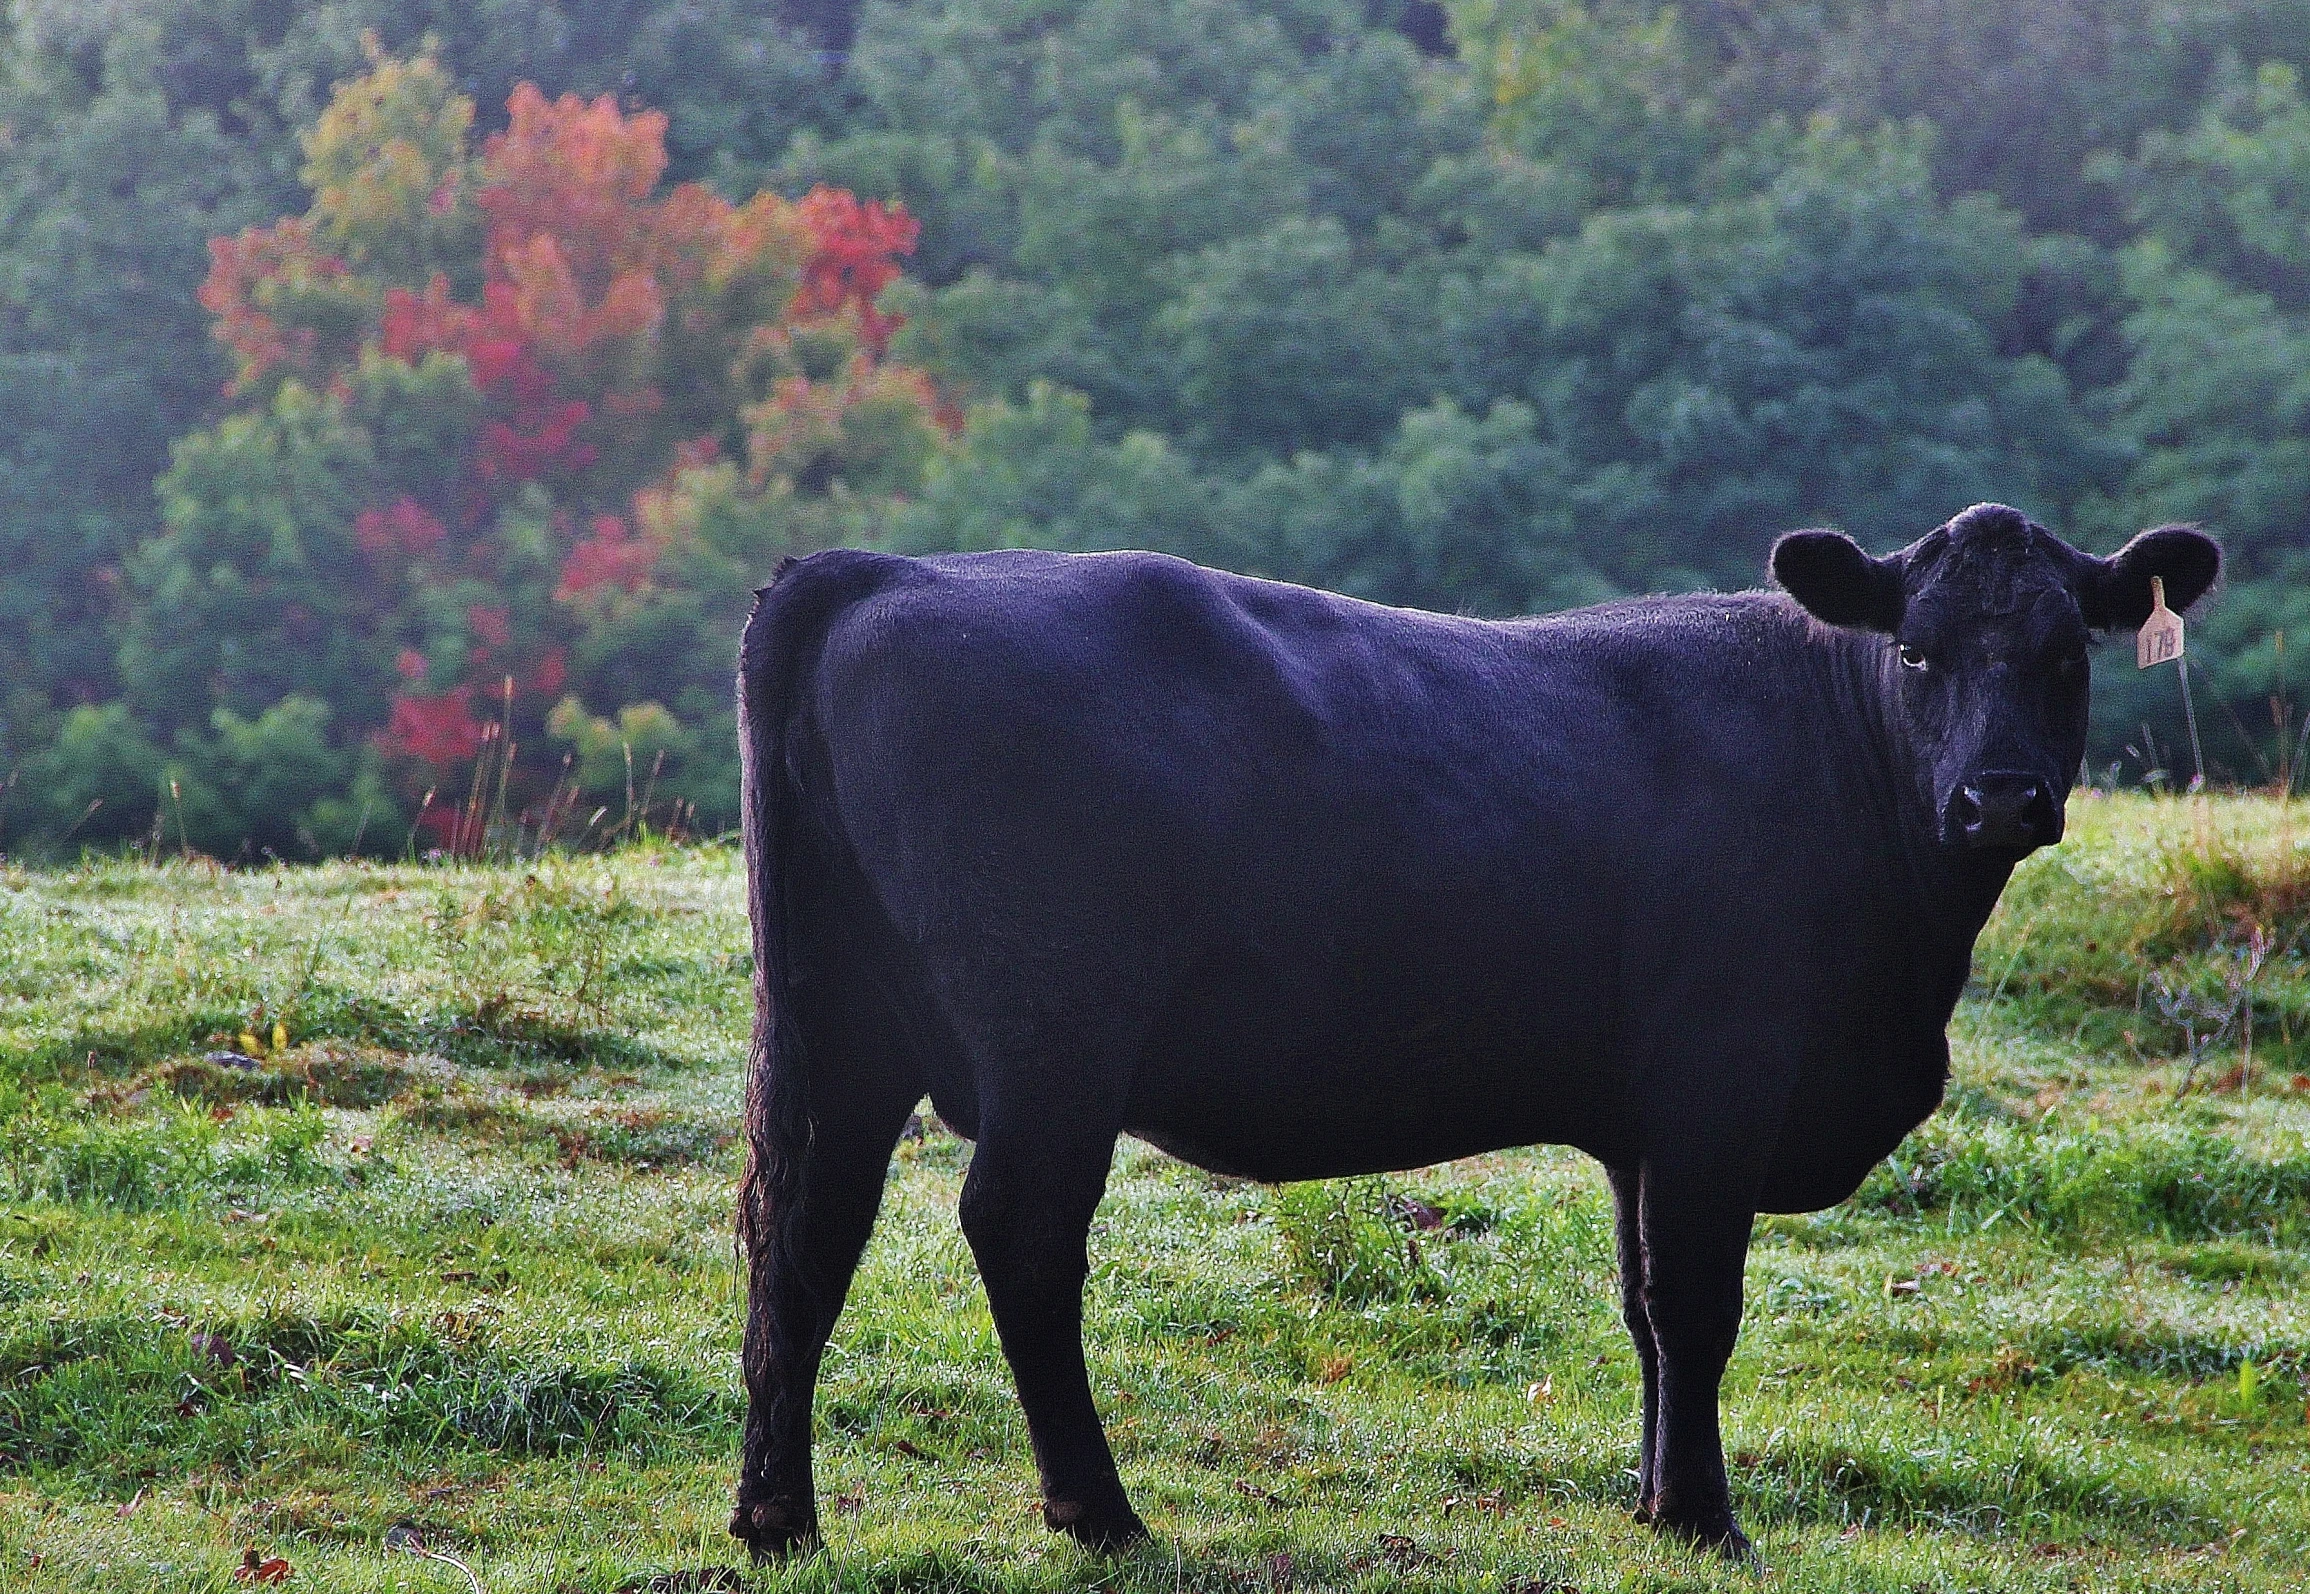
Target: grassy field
456,1251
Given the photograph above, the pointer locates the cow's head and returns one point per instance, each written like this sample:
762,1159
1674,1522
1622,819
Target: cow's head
1985,625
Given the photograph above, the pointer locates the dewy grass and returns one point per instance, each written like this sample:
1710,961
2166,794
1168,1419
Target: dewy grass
458,1254
2168,1178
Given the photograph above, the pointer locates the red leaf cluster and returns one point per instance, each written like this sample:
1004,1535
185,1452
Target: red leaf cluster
855,244
490,624
610,556
401,528
438,730
535,431
249,277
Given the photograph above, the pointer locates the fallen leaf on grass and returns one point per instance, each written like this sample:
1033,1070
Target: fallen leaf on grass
1417,1214
270,1569
1403,1551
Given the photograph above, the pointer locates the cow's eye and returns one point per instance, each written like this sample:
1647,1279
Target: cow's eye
1912,658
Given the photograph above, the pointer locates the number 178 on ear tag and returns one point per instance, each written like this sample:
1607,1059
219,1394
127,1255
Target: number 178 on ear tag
2161,634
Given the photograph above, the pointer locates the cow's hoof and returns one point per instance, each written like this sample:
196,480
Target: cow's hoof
1103,1532
775,1529
1718,1532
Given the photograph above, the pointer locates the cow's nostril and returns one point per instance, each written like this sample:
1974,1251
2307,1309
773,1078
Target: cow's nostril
1965,809
2040,815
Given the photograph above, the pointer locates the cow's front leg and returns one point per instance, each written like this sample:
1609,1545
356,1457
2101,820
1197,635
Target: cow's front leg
1694,1224
1026,1209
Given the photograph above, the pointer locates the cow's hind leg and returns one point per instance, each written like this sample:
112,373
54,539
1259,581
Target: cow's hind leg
1629,1235
806,1221
1026,1208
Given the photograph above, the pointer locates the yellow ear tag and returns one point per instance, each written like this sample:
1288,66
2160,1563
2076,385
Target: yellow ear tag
2161,633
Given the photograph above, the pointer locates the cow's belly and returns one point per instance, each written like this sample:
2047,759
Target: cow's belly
1280,1088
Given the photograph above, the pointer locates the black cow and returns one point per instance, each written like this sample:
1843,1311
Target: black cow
1294,886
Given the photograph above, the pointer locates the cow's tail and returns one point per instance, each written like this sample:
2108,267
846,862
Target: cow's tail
782,638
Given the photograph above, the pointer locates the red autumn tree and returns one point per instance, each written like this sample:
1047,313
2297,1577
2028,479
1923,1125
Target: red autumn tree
515,430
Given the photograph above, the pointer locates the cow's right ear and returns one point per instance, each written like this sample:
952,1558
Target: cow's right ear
1837,582
2116,591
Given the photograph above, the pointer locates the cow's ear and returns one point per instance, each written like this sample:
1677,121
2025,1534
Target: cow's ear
1828,573
2115,594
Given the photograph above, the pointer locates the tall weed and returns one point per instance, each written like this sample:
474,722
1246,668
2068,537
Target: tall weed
1343,1238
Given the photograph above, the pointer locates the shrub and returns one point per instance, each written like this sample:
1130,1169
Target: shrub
1342,1237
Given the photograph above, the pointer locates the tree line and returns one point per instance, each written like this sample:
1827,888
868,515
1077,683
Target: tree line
398,400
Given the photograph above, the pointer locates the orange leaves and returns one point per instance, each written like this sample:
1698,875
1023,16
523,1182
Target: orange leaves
553,308
580,173
596,292
853,259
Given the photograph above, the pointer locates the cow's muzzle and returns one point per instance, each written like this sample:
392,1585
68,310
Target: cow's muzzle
2002,810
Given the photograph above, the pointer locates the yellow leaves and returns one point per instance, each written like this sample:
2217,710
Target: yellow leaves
391,175
255,1042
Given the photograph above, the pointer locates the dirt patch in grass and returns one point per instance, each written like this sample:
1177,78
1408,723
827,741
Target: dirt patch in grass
643,1138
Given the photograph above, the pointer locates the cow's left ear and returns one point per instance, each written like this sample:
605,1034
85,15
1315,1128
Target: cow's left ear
1837,582
2115,594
